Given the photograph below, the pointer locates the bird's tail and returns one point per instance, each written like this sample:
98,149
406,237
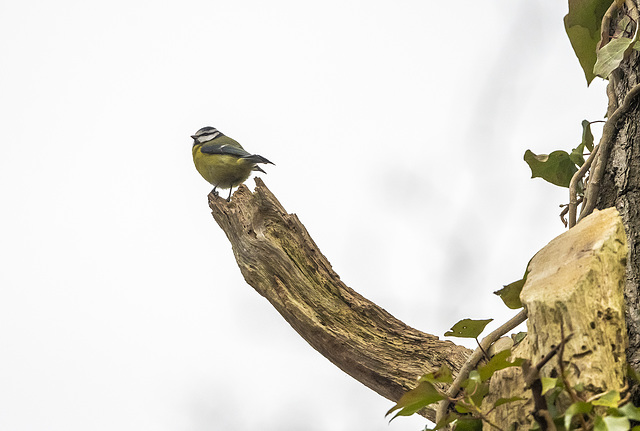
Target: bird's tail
257,159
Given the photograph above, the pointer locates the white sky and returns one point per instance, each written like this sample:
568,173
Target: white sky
397,129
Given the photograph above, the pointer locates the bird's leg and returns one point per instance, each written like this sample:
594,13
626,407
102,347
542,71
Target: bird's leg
229,198
215,193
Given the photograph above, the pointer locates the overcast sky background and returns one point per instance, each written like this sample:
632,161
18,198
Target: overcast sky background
397,129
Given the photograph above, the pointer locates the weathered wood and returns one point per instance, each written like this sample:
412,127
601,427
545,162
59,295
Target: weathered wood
575,282
279,259
621,188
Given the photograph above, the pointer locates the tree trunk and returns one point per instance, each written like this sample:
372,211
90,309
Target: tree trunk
621,188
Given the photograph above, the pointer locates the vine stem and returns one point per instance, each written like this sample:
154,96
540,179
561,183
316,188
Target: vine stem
475,357
606,141
573,186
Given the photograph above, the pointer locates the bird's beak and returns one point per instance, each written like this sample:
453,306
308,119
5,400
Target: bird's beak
193,136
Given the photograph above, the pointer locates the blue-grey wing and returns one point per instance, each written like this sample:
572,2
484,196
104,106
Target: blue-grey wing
225,149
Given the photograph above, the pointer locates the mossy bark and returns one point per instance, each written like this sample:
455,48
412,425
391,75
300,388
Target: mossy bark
576,281
280,260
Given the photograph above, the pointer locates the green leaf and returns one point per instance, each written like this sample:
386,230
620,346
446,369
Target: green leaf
630,411
475,390
576,155
446,420
548,383
517,338
556,168
610,399
468,425
582,25
510,294
441,375
633,374
587,136
610,56
502,401
415,399
472,382
467,328
499,361
461,409
579,407
552,396
611,423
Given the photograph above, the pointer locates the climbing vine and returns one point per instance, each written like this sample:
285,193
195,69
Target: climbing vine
603,34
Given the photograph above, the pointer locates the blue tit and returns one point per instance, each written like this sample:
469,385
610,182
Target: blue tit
221,160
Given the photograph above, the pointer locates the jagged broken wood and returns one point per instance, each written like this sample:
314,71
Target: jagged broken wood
280,260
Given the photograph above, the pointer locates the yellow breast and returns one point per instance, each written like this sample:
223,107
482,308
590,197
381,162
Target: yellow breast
223,171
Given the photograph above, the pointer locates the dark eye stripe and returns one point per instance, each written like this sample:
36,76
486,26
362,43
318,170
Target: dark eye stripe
206,131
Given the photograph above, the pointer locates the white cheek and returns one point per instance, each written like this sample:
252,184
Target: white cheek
206,138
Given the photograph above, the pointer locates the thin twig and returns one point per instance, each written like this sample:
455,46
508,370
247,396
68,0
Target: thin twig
475,357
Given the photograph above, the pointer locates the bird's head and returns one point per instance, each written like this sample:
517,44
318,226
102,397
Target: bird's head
205,134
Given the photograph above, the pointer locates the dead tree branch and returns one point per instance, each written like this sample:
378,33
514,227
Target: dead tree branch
279,259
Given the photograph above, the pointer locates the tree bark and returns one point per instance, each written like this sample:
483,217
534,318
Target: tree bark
279,259
621,188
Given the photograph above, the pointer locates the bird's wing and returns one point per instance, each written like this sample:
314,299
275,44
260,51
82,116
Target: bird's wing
229,150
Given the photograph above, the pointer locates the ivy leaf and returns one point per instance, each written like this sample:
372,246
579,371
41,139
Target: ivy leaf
449,417
517,338
610,56
611,423
468,425
610,399
548,383
579,407
587,136
415,399
633,374
474,386
576,155
500,361
582,25
556,168
467,328
510,294
630,411
441,375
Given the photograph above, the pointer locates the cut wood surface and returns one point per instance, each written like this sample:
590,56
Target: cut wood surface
574,283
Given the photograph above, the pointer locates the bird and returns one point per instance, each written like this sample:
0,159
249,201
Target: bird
222,161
